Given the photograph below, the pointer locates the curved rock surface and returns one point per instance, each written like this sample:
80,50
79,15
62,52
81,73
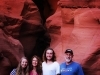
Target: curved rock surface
71,24
78,28
11,50
21,32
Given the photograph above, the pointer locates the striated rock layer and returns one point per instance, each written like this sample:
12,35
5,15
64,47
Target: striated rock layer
75,25
22,33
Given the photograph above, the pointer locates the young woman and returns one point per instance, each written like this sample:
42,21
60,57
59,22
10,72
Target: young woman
36,68
22,69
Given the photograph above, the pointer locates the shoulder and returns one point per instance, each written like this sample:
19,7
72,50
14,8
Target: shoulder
14,69
64,63
43,63
76,64
13,72
55,63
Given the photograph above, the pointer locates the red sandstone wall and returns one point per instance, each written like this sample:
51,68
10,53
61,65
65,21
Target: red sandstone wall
21,33
70,24
75,25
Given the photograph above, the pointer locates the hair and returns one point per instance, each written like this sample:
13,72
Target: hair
39,65
19,68
44,55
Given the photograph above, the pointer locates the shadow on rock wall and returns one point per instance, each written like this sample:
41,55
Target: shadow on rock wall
22,34
33,35
11,50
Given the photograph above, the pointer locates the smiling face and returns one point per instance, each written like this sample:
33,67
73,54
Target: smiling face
68,57
49,54
34,62
24,63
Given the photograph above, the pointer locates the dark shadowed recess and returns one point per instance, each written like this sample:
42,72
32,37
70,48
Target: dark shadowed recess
43,6
34,40
34,37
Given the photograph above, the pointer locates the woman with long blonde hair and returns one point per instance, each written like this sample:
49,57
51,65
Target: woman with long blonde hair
22,69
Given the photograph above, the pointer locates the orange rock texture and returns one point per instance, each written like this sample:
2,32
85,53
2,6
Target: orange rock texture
28,27
21,31
75,25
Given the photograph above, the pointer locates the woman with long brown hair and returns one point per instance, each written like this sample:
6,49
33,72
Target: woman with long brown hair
36,66
22,69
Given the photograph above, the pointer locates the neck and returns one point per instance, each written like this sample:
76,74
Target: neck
34,68
67,63
49,61
23,72
23,69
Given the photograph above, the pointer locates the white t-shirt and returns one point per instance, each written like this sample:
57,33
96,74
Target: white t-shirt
51,69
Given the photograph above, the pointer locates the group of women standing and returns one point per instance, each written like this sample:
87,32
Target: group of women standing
23,67
49,66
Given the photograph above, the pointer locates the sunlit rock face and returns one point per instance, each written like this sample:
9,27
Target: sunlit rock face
77,27
78,3
88,28
12,7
